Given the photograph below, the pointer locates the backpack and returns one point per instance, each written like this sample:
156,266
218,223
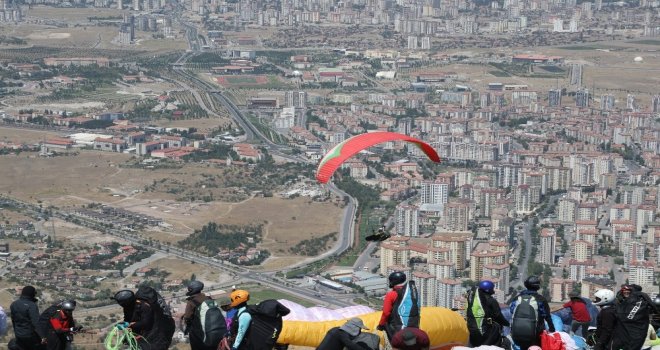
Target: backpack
265,327
166,322
209,323
525,319
44,318
405,311
552,341
368,341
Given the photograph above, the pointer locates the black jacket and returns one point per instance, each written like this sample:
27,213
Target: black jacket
150,324
490,331
336,339
605,323
632,322
25,317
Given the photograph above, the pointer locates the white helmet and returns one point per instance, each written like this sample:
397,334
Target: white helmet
603,297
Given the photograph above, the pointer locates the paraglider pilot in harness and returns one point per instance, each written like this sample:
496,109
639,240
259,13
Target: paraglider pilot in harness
484,315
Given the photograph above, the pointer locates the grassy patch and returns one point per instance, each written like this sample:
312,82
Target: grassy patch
552,69
580,47
499,73
259,293
646,42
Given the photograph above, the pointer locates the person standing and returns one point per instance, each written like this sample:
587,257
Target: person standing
126,299
606,319
25,318
195,330
633,319
484,316
240,325
62,326
581,317
529,311
400,307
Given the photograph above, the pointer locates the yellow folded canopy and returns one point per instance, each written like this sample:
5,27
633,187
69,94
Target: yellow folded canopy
445,328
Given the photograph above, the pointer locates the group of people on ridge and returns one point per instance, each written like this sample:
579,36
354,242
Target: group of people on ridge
623,323
51,330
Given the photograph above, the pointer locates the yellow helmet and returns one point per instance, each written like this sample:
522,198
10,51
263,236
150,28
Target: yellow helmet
239,297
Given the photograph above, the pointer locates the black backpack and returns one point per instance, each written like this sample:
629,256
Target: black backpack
265,327
44,318
525,319
208,323
405,311
166,322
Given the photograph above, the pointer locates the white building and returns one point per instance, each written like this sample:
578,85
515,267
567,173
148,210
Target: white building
434,193
548,246
407,220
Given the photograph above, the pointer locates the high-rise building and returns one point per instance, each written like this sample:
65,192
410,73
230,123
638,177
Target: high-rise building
136,5
426,288
548,246
554,98
296,99
407,220
426,43
447,290
557,25
394,251
655,104
607,102
630,102
433,192
641,273
582,98
457,215
457,243
412,42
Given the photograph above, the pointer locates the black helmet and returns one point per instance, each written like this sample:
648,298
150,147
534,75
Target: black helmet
195,287
124,297
397,277
68,305
533,283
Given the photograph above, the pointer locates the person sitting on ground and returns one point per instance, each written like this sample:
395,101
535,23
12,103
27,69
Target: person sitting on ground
411,338
344,336
581,317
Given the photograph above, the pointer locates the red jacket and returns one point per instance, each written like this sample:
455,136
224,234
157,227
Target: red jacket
61,322
579,310
388,303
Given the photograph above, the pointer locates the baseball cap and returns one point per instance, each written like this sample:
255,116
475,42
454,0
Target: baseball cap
353,326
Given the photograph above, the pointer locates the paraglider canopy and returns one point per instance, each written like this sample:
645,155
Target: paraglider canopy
338,154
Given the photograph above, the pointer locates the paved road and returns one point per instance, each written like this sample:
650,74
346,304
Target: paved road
527,238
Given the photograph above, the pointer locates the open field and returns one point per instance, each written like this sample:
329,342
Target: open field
71,15
23,136
96,177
